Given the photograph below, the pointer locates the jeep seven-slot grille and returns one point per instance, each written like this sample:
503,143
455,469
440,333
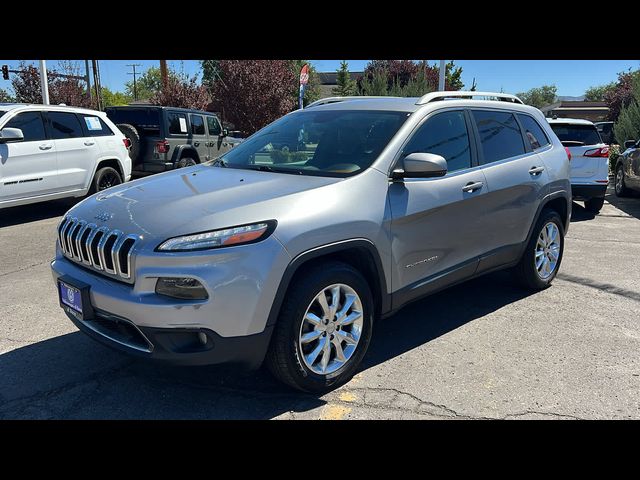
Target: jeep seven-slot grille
108,251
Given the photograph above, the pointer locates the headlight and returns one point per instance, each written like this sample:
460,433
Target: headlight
219,238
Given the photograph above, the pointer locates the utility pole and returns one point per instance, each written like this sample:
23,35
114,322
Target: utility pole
443,67
134,73
164,73
43,82
87,79
96,83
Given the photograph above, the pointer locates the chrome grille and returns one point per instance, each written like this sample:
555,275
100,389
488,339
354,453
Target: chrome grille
105,250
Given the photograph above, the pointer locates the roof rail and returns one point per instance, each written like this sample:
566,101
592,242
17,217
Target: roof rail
434,96
324,101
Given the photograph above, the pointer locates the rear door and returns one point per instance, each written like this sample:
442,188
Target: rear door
28,168
199,136
76,153
516,178
583,139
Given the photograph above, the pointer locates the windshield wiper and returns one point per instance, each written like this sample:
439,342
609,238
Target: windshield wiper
221,162
269,168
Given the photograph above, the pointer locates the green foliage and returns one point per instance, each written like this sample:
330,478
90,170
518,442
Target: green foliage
376,84
614,153
453,76
627,126
5,97
598,92
113,99
540,96
210,72
148,84
346,87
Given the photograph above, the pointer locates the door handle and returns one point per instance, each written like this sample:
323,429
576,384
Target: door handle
196,144
472,187
88,143
46,146
536,170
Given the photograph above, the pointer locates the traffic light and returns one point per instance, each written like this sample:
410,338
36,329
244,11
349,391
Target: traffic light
5,72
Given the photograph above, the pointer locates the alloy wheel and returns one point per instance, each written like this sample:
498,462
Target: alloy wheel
547,250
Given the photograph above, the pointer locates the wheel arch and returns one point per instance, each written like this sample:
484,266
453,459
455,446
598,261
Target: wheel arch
558,201
107,162
182,151
359,253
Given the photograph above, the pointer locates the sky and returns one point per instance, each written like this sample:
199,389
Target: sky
571,77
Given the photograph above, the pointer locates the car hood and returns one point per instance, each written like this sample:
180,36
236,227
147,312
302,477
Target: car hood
196,199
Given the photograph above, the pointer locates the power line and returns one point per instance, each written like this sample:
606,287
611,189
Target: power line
134,73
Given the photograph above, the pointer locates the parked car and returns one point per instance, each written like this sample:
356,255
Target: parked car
589,160
627,169
605,129
49,152
164,138
290,257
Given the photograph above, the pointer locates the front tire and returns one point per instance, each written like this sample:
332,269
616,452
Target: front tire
323,330
541,260
594,205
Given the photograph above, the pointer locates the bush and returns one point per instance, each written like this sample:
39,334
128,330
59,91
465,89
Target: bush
627,127
614,153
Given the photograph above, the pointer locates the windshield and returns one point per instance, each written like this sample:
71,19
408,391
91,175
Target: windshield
334,143
2,112
577,134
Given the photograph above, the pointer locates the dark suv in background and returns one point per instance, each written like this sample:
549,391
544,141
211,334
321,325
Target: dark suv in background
164,138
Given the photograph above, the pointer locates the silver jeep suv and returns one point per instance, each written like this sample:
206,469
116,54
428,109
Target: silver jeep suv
288,247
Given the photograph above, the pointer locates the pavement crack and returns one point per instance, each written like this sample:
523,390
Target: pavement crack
24,268
563,416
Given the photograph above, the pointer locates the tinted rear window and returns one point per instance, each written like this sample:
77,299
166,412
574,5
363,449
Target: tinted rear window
500,135
147,117
533,132
65,125
583,134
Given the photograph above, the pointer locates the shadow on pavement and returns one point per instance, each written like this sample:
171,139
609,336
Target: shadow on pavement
580,214
71,376
35,211
629,205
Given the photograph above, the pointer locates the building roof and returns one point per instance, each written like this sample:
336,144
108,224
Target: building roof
331,78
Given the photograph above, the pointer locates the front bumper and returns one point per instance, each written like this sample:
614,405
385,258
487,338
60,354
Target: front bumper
177,346
585,192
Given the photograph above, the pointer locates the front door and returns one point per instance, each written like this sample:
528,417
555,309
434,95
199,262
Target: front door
437,223
217,143
28,168
76,153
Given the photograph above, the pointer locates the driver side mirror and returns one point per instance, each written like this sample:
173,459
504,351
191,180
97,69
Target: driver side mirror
421,165
8,135
629,144
224,132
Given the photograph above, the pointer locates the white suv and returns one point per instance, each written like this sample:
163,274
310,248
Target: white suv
589,160
49,152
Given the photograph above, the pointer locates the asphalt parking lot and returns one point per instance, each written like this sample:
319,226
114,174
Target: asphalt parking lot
484,349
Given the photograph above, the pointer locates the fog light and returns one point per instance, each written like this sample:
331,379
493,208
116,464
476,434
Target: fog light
183,288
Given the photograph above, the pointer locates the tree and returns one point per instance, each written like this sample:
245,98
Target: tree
113,99
452,77
5,97
254,93
627,126
598,92
148,84
69,91
621,95
540,96
346,86
375,83
183,91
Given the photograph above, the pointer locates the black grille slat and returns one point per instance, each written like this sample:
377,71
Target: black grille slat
65,231
108,246
72,236
123,257
95,258
83,244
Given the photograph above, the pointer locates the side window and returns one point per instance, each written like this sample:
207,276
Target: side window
31,125
177,123
533,131
444,134
94,126
65,125
499,135
197,125
214,126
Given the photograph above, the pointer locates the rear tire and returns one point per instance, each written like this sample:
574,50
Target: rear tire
620,186
529,272
106,177
594,205
186,162
132,134
291,356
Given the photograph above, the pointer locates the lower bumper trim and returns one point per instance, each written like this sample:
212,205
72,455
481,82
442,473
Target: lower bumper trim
585,192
